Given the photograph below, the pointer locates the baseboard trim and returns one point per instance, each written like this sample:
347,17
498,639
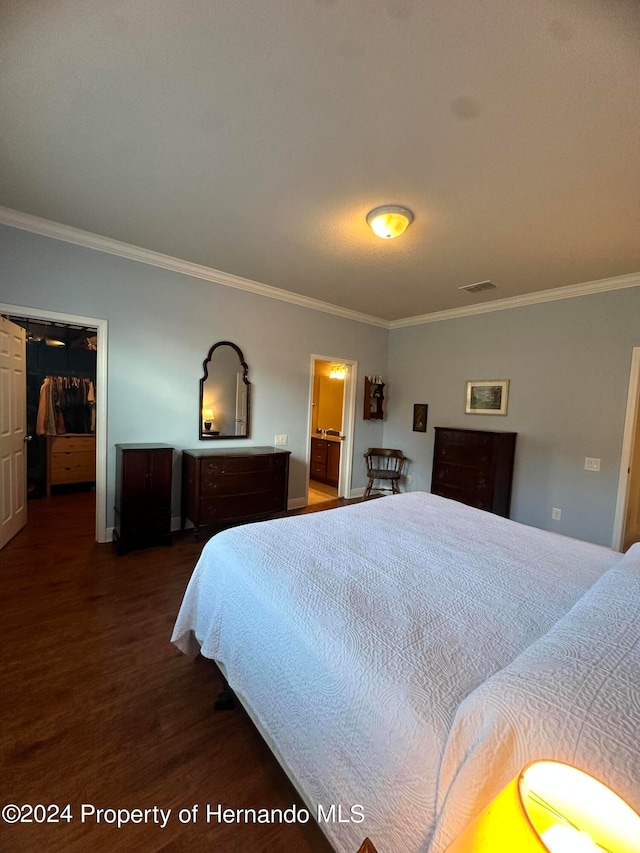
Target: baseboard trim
296,503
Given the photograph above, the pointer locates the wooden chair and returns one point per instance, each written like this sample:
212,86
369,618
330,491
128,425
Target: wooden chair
383,464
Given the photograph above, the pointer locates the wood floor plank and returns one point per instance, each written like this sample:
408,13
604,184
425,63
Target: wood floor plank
98,707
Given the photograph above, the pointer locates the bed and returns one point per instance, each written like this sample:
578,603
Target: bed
392,653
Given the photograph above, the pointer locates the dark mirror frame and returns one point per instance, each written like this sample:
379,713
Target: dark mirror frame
202,434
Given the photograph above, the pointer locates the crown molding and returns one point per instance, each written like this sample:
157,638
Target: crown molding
68,234
568,292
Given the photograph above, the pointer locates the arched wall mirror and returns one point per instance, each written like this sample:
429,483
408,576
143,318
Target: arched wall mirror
224,393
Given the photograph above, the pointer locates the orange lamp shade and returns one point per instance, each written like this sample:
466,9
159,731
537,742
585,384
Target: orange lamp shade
553,808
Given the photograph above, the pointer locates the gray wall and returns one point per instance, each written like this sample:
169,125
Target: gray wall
161,326
568,362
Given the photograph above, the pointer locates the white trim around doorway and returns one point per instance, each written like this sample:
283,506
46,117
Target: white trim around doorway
101,397
627,450
348,421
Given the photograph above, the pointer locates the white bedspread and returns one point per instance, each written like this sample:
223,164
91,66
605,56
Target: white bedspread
573,696
353,635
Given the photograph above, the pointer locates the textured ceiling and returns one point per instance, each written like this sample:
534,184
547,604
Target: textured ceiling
253,136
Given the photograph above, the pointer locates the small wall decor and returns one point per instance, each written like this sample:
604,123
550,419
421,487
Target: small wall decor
373,398
487,396
420,417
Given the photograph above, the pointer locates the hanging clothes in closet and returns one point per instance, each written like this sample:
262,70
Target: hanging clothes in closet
66,404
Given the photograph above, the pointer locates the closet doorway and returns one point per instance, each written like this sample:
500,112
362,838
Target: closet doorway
331,420
72,349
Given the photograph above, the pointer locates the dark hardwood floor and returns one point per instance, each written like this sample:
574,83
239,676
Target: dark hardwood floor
99,708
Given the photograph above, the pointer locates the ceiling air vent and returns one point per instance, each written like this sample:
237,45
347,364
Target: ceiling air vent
478,287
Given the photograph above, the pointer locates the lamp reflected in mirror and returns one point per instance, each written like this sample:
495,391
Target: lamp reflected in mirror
207,421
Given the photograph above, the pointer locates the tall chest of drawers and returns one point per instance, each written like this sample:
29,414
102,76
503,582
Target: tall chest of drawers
224,487
143,495
474,467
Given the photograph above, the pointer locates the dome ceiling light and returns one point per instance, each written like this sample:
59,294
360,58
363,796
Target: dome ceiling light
390,220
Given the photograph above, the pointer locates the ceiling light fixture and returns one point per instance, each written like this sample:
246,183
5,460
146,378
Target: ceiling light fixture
390,220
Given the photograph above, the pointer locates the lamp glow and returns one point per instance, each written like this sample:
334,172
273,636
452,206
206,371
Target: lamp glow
565,839
553,808
337,371
207,417
389,221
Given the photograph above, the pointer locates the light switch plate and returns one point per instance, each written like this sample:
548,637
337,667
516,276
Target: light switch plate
281,440
591,464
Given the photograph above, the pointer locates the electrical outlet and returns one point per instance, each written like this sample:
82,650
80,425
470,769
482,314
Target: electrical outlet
591,464
281,440
409,479
556,514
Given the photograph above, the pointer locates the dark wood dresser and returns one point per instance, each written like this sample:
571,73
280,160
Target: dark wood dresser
474,467
325,460
230,486
143,495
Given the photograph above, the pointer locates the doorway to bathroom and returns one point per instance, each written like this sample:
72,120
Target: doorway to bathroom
331,427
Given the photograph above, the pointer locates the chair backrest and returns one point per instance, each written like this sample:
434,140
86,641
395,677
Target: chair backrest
385,458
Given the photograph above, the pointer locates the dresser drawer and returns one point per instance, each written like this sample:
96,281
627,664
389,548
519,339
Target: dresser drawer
73,475
469,498
212,484
83,465
464,453
239,507
72,444
241,464
470,479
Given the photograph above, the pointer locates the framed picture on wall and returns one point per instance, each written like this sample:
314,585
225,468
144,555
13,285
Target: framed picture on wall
420,417
487,396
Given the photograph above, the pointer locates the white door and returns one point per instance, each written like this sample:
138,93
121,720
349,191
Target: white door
241,405
13,414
